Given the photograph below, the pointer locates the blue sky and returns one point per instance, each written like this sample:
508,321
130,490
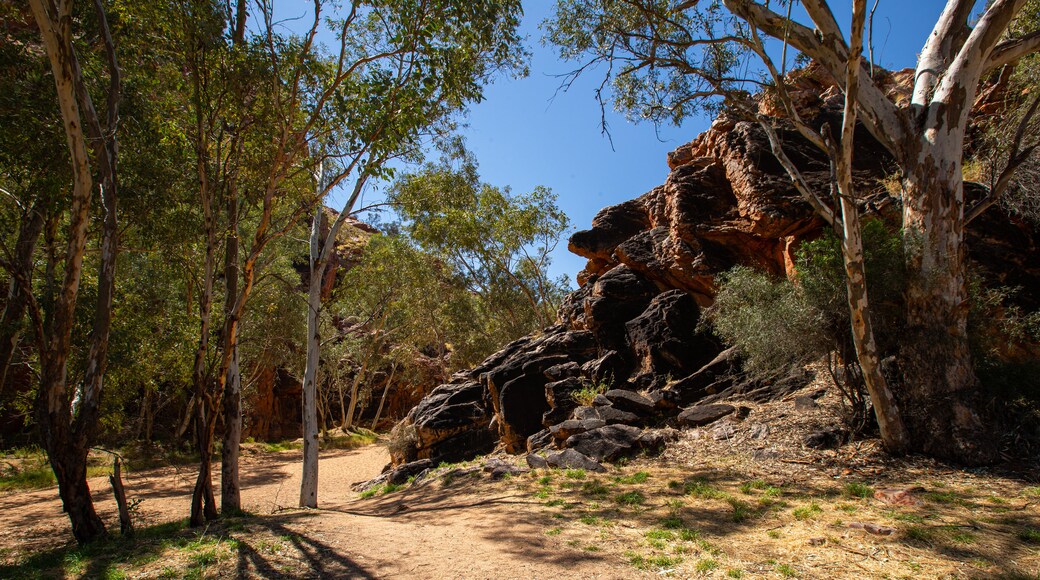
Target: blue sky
522,136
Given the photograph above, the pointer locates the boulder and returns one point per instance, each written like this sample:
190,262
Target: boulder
607,443
397,475
539,440
617,297
608,414
535,461
699,415
715,376
630,401
560,396
563,371
499,468
452,421
611,226
607,369
571,427
571,459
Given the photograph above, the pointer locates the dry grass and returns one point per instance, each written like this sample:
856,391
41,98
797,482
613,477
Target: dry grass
769,507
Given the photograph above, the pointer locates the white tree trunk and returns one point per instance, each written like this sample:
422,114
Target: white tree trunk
382,399
893,431
309,483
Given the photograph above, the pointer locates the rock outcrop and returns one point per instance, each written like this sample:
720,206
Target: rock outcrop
652,267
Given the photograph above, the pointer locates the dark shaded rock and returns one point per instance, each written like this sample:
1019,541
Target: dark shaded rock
574,426
607,443
608,414
397,475
656,440
516,386
539,440
560,396
463,446
699,415
571,459
617,297
828,438
607,369
535,461
452,416
630,401
600,401
715,376
664,400
664,340
563,371
611,226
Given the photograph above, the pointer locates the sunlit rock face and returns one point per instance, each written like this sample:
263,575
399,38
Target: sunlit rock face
652,267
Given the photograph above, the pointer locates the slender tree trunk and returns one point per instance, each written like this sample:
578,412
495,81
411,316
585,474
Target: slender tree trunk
382,399
230,496
67,427
309,484
14,309
893,432
203,503
230,490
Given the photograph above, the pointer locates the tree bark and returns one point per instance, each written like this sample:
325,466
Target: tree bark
382,399
203,503
70,469
67,427
230,496
893,432
309,484
944,404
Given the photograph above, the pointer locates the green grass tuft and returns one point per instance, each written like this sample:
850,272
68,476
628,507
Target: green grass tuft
857,489
631,498
808,512
635,478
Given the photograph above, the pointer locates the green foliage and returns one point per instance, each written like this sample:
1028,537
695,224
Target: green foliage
585,395
657,66
777,323
497,243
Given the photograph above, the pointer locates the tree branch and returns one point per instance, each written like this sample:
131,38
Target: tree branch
1017,157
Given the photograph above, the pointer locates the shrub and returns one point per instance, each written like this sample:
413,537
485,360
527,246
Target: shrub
777,323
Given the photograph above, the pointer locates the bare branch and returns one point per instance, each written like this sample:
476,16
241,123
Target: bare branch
1016,158
814,200
1012,50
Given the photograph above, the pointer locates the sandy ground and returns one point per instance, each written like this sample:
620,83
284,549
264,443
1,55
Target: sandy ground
414,533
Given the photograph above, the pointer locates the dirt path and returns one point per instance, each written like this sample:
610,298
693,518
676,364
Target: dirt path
424,532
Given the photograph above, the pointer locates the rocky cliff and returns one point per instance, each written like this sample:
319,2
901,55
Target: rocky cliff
652,264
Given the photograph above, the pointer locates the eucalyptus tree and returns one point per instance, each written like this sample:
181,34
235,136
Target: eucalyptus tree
669,60
500,242
67,411
405,69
